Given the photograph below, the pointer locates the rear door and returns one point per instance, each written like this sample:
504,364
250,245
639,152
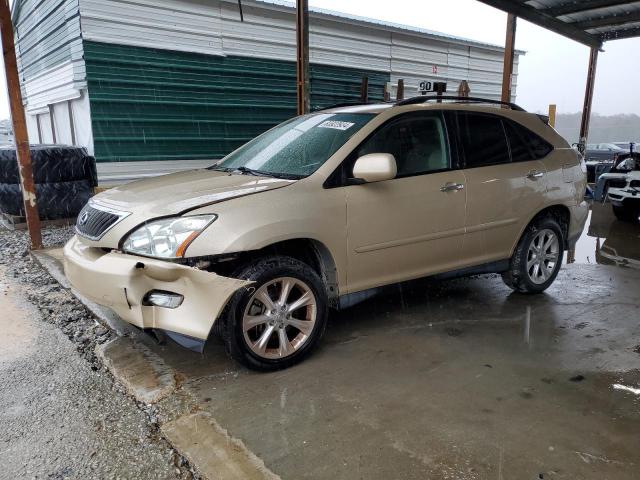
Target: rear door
506,184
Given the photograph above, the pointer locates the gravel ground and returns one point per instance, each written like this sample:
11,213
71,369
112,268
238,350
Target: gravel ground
61,413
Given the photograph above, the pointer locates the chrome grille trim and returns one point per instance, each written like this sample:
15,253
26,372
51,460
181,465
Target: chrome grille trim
95,220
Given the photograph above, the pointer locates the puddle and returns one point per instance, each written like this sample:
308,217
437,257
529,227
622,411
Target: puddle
607,241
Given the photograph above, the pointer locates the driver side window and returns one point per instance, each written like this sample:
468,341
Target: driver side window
418,144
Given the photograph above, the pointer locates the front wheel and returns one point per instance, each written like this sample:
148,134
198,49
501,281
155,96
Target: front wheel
537,258
278,320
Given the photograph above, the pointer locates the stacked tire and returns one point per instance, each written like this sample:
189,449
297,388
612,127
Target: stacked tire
64,176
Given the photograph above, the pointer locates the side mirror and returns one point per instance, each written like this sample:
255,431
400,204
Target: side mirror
375,167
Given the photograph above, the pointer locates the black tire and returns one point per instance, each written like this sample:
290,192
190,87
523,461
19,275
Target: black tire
51,164
55,200
262,271
517,277
626,213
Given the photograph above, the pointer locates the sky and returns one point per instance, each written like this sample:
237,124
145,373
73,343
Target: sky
553,70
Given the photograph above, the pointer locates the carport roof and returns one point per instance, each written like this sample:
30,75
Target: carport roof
590,22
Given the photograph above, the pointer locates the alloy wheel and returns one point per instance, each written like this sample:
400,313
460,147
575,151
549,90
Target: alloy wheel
542,256
279,318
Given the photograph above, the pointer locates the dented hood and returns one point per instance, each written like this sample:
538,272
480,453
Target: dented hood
179,192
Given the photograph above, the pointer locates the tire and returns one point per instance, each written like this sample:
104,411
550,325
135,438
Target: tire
270,274
529,280
626,213
55,200
51,164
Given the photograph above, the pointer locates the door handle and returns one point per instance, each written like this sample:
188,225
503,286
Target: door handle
451,187
533,174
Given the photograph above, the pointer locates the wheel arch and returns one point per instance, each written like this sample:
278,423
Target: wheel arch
312,252
560,212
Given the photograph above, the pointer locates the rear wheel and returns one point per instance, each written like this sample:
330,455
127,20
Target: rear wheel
537,258
626,213
280,319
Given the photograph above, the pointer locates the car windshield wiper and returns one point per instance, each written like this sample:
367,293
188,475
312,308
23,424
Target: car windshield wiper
258,173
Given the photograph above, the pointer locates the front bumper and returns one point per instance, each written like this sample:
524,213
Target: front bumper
121,281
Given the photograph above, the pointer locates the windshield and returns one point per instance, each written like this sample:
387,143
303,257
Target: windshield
297,148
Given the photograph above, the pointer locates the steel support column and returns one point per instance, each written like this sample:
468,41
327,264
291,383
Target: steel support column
19,126
302,44
509,54
588,100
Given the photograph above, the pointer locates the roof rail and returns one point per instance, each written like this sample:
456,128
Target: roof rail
427,98
338,105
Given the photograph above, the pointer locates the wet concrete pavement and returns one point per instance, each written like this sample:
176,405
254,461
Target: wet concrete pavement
59,419
458,379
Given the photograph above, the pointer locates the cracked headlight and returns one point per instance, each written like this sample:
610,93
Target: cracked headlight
168,237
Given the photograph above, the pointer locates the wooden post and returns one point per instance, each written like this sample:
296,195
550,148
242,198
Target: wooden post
588,100
72,125
400,91
53,124
385,92
552,115
302,46
441,87
19,127
463,89
509,53
364,90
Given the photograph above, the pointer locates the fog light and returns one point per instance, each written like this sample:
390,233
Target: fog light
159,298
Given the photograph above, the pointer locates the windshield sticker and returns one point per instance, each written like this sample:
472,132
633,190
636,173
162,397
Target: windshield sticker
336,125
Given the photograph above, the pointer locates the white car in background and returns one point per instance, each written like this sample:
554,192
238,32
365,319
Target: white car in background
621,185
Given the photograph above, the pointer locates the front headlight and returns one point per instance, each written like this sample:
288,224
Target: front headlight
166,238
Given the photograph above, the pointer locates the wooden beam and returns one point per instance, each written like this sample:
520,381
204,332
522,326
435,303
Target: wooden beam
545,20
302,47
19,121
400,90
552,115
72,124
620,34
580,6
588,100
608,21
364,90
509,54
53,124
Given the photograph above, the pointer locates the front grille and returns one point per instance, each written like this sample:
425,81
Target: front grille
93,222
635,183
617,183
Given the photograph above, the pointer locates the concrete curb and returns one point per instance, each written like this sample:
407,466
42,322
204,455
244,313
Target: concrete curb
200,439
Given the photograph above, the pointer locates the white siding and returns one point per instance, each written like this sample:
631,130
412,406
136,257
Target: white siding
81,123
184,25
55,85
268,31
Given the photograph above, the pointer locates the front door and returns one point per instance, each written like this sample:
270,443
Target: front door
413,225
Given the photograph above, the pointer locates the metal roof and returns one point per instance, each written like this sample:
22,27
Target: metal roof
590,22
388,25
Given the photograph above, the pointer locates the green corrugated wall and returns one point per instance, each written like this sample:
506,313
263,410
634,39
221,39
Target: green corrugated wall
152,104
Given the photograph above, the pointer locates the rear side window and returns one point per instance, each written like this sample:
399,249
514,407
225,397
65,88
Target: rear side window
483,139
525,145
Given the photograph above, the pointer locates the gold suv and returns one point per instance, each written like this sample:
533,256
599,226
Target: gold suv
324,209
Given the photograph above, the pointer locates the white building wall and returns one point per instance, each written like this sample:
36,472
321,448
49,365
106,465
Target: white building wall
268,31
182,25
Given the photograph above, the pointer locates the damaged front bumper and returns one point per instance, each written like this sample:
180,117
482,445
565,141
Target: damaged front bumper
121,282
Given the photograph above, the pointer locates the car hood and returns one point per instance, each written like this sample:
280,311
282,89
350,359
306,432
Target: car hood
177,193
